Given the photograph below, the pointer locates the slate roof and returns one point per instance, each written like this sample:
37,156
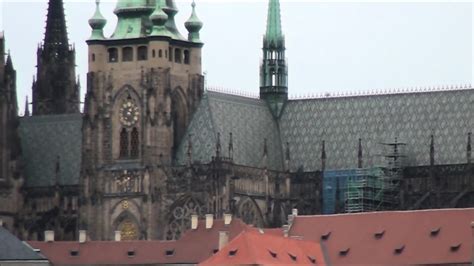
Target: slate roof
11,248
422,237
410,117
43,139
248,119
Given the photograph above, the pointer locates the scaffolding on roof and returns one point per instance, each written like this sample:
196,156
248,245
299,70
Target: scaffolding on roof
376,188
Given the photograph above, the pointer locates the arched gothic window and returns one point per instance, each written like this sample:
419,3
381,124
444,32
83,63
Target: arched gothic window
123,143
250,213
134,143
180,219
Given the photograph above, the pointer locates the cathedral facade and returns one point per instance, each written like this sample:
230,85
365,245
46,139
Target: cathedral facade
153,147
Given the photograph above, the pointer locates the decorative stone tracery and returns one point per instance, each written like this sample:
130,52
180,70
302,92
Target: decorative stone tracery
180,216
250,213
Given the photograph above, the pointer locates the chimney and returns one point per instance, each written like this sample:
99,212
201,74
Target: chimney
194,222
472,242
294,212
286,228
223,239
118,236
82,236
227,218
49,236
209,221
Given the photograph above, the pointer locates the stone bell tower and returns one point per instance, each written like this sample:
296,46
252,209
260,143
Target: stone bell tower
144,83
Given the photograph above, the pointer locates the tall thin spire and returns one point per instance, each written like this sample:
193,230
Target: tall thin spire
55,90
274,69
56,32
274,33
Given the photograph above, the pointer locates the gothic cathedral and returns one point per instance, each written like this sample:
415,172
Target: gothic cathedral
152,146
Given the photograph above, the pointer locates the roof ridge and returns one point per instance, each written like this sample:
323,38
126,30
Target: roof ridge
383,91
387,212
234,92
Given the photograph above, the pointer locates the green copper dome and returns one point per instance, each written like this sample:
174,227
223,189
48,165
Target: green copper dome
142,18
125,5
97,23
193,25
132,19
159,19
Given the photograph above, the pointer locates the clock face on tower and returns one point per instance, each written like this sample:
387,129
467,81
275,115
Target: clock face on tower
128,113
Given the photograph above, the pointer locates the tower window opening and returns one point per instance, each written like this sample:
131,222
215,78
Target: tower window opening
123,143
177,55
142,53
127,54
113,55
93,58
160,53
170,54
153,53
273,79
186,57
134,143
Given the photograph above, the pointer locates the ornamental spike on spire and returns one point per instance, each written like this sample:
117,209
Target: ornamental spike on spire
274,34
56,32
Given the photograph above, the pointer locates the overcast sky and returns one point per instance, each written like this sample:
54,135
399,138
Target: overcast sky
330,46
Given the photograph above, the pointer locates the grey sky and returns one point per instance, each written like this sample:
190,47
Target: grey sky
330,46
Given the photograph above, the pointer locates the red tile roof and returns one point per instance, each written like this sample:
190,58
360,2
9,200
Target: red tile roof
401,237
194,246
253,247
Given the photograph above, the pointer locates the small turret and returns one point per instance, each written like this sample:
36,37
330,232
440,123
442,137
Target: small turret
159,18
193,25
97,23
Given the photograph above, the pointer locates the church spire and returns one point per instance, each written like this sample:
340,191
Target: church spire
274,34
274,70
56,32
55,90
